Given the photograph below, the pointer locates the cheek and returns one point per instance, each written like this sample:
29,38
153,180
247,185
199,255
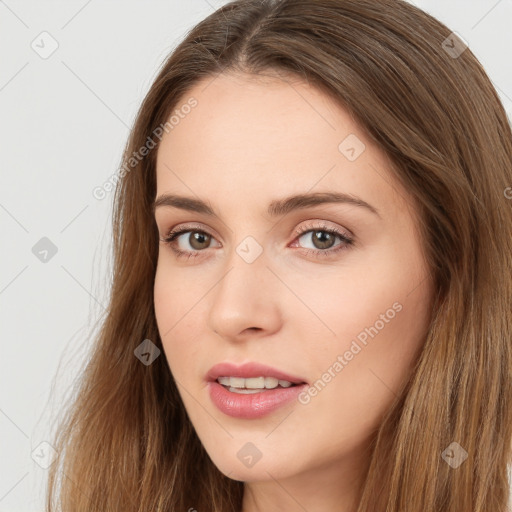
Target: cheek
174,297
175,292
379,313
164,293
383,288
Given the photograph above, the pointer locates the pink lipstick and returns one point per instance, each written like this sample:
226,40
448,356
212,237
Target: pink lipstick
251,390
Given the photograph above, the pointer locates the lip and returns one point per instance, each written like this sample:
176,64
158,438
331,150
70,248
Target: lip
252,406
248,370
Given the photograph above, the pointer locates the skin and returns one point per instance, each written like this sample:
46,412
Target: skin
247,142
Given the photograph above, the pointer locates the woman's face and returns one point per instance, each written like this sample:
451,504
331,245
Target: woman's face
282,286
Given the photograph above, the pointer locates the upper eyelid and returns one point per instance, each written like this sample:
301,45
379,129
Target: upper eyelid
186,227
181,229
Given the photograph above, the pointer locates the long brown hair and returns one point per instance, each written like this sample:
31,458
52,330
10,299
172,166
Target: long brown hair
126,443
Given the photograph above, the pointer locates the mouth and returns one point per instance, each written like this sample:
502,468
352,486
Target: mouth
250,398
254,384
251,376
255,396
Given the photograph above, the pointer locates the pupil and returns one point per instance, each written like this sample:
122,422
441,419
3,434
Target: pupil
198,238
323,238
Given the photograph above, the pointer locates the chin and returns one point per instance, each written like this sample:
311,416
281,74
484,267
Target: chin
264,469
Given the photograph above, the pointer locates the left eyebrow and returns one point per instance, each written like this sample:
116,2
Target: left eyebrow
276,208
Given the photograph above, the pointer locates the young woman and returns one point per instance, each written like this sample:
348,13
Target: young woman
312,291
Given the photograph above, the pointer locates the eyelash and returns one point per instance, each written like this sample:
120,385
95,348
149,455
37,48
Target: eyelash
346,241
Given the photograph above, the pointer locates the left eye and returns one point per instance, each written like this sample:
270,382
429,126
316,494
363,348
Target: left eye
322,239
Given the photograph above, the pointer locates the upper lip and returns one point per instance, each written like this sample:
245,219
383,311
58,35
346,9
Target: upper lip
248,370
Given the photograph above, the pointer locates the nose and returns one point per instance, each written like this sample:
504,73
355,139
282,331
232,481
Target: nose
246,300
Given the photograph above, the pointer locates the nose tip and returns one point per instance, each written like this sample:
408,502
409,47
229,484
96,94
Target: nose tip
239,307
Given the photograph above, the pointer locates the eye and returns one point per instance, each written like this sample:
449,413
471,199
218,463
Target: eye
197,239
322,237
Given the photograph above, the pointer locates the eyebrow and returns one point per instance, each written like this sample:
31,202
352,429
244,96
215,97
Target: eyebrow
276,208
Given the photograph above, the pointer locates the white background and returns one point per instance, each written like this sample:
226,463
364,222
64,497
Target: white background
64,121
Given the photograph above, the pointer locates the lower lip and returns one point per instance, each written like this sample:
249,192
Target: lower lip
254,405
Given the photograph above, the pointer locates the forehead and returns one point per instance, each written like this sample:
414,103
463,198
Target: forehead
258,114
265,136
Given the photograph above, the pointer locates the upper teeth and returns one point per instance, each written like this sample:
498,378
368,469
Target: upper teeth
254,382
